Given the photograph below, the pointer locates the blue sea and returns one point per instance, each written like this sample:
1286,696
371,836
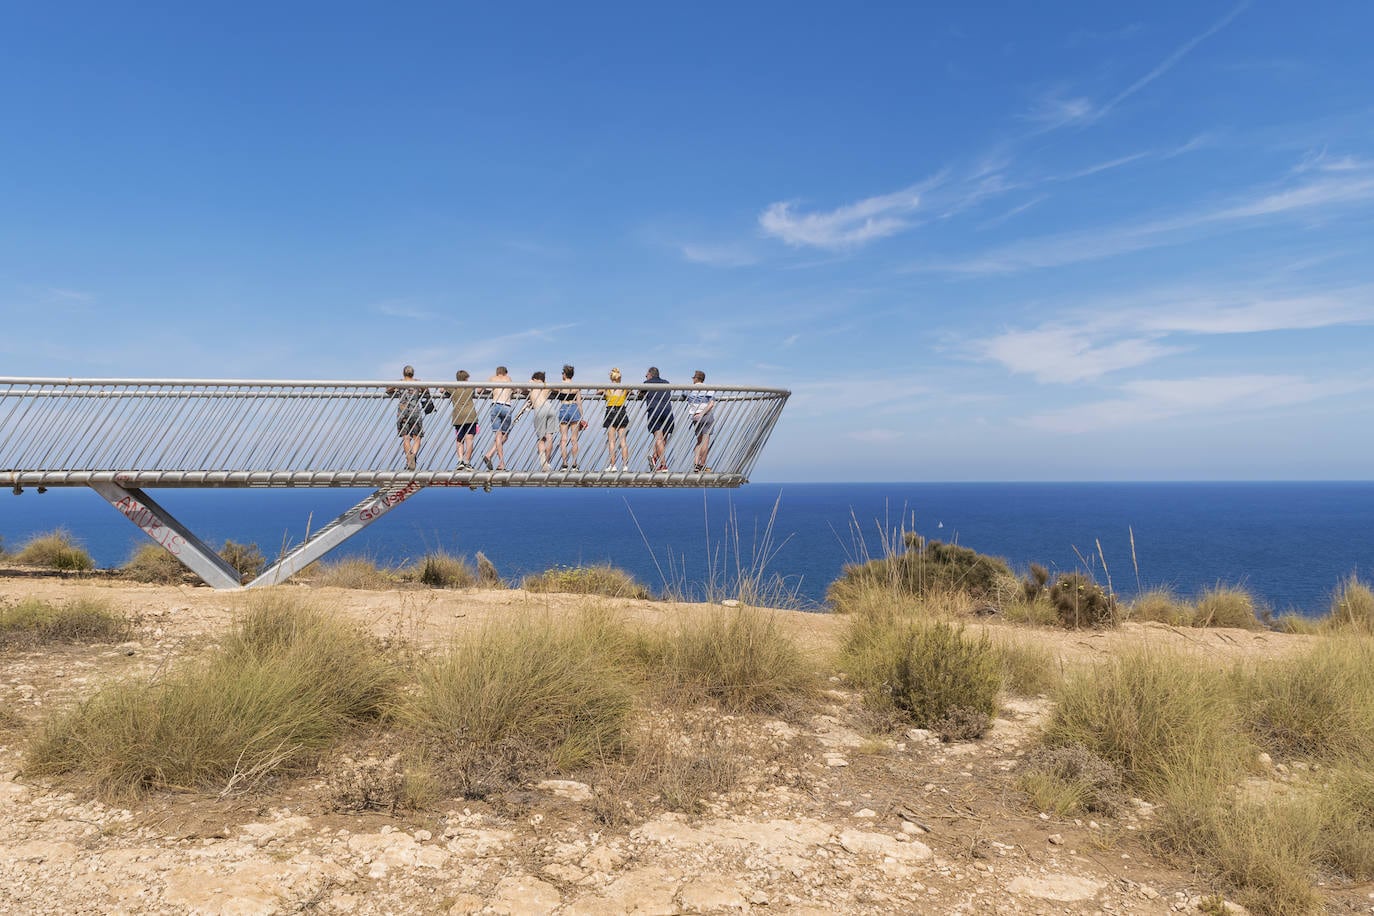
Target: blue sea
1288,543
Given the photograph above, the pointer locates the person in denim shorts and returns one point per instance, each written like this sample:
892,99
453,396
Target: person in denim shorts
570,423
501,421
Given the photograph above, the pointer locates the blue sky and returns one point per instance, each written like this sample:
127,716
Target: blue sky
1003,241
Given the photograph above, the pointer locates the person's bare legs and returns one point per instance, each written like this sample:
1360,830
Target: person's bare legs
545,444
411,446
624,446
563,433
575,431
498,448
660,448
610,447
703,448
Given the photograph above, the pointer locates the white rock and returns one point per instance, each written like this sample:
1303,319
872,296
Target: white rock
1063,888
567,788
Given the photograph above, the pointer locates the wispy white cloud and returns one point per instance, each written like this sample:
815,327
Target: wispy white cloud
1066,354
1172,60
718,255
1324,194
1014,211
1151,400
876,435
403,308
844,227
1055,109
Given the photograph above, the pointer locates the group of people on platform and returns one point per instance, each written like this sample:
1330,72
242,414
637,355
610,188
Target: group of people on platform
558,418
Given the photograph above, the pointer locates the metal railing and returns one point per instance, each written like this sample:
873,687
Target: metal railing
235,433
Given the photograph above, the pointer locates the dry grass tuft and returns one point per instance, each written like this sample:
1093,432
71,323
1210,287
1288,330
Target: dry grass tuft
1070,779
1352,607
604,580
1319,704
354,572
153,563
54,550
929,675
525,693
1156,715
443,570
287,682
487,576
1160,605
742,658
1028,668
35,622
1226,606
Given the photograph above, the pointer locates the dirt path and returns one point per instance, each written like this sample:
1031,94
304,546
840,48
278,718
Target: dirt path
826,818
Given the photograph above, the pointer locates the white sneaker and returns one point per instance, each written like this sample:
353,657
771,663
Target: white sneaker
612,468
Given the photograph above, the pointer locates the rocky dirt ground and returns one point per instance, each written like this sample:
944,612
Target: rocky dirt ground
827,818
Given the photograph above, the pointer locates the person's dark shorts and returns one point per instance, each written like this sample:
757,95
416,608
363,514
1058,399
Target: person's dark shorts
463,430
661,423
410,425
616,418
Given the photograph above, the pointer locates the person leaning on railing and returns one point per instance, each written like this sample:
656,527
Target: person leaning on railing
616,421
411,406
464,419
658,411
701,405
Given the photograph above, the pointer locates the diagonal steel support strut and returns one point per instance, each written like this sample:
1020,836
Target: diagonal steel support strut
156,522
336,532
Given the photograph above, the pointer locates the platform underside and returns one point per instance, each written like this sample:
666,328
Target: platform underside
371,479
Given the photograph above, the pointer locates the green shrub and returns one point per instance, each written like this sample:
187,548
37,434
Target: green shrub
1352,607
1158,716
1226,606
246,559
929,674
443,570
1081,602
153,563
602,579
1035,584
34,622
923,568
1160,605
286,683
522,694
1319,703
740,658
55,550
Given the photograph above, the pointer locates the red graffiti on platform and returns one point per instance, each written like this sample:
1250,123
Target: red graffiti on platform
144,518
387,500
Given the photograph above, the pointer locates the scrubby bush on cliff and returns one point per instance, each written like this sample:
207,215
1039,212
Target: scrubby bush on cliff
54,550
287,682
930,675
247,559
34,622
153,563
924,568
1352,607
602,579
1081,602
1226,606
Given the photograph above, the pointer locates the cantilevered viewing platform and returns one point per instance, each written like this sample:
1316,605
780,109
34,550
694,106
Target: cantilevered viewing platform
123,436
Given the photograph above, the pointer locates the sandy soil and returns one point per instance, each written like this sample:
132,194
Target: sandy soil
827,819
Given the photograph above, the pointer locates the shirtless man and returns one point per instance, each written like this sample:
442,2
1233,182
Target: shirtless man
501,421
